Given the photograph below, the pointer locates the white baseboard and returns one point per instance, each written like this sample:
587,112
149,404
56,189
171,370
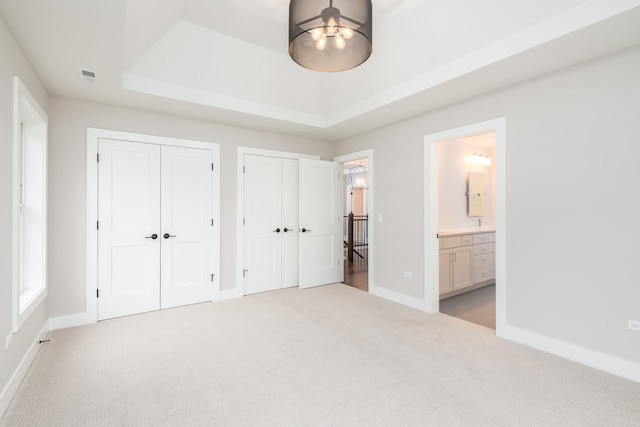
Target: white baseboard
228,294
407,300
69,321
604,362
18,375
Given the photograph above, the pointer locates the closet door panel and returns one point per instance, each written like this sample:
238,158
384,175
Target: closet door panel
186,226
290,233
129,215
262,224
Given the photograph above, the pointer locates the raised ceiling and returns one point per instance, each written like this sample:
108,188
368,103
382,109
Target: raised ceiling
227,60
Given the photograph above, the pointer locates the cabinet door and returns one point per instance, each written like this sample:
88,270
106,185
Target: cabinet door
461,267
444,273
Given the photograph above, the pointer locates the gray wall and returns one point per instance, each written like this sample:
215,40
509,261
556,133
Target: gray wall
572,176
69,120
13,62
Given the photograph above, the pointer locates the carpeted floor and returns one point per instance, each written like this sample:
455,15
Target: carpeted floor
327,356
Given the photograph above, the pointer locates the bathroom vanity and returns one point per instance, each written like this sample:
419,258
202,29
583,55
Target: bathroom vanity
467,260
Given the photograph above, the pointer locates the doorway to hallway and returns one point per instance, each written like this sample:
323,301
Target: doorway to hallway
357,198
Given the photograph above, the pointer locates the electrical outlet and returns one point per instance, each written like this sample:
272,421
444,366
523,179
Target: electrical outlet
408,275
8,341
634,325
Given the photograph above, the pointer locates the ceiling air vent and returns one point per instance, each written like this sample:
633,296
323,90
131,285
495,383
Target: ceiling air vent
87,75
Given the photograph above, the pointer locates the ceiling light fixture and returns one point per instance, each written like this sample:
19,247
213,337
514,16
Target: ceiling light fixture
333,38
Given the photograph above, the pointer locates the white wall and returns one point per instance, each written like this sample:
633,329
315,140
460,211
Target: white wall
453,168
13,62
572,178
68,122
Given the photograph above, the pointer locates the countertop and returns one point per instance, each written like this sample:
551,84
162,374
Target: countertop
466,230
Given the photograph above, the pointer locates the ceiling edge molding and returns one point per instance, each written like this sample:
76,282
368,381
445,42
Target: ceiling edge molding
182,93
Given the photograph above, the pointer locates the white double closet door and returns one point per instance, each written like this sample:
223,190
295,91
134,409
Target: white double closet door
292,223
155,234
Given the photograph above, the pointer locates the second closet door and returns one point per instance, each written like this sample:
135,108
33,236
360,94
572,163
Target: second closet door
270,223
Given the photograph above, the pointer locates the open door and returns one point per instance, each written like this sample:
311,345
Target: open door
320,223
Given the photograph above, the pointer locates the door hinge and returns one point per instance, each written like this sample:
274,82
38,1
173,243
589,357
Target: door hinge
244,273
98,157
97,225
212,222
244,221
212,276
97,293
244,169
211,166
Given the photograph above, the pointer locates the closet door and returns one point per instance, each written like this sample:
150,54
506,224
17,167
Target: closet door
320,221
290,232
129,227
262,224
186,226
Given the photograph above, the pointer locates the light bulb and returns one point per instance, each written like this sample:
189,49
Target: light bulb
316,33
346,32
340,43
322,42
332,26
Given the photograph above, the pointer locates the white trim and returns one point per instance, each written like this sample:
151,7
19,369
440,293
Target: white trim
239,289
368,154
604,362
431,289
21,314
397,297
18,375
93,135
69,321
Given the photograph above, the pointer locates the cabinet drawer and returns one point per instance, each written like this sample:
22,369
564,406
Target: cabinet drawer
467,240
483,261
451,242
483,248
483,274
483,238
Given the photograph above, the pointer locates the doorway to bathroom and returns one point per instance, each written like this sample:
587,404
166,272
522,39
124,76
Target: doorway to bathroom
466,228
464,223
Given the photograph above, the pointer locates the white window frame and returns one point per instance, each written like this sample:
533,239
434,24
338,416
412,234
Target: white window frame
31,121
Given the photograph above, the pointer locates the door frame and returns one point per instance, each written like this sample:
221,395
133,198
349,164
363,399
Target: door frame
241,151
371,224
93,135
431,200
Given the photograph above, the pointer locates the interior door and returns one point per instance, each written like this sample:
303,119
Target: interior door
187,257
262,224
129,227
290,232
320,221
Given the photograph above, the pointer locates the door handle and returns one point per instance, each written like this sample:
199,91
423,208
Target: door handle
277,230
167,235
304,230
286,229
154,236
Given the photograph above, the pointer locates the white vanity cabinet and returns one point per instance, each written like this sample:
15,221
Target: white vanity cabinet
466,262
456,263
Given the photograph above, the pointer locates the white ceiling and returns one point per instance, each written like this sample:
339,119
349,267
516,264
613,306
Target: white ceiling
227,60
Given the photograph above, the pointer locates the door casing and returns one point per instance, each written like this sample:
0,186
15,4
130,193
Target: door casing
239,291
93,135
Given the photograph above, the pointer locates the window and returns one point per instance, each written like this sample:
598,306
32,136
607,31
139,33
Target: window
30,204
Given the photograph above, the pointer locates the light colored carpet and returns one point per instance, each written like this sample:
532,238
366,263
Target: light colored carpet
478,306
328,356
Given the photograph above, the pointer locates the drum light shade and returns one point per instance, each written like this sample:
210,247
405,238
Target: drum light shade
330,35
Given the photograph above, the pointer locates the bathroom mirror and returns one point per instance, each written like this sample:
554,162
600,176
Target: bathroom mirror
476,193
